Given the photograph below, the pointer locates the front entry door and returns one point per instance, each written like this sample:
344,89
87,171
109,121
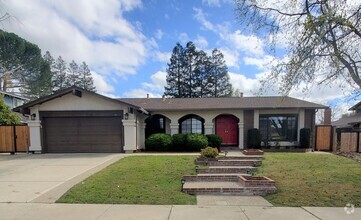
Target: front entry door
227,128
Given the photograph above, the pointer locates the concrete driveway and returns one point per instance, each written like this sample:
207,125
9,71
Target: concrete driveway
45,177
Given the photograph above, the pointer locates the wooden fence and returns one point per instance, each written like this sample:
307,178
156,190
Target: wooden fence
324,137
14,139
348,140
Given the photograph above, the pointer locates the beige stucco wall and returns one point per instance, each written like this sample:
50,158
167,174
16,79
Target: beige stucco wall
172,118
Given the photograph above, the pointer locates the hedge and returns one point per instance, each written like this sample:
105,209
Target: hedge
158,142
254,138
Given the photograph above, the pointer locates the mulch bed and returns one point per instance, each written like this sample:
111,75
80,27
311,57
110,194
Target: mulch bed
352,155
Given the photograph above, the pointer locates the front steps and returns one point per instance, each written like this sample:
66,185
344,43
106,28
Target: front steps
228,176
227,169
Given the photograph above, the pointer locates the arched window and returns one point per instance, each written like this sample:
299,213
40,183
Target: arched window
154,124
191,124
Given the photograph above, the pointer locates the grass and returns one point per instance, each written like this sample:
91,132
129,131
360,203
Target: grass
312,179
136,180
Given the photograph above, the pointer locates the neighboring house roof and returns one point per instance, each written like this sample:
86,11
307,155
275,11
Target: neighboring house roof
159,104
76,91
13,95
355,106
347,121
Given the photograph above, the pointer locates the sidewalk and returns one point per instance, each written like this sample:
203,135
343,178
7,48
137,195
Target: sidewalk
41,211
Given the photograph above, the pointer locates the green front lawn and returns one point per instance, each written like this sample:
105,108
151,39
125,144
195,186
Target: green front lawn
136,180
312,179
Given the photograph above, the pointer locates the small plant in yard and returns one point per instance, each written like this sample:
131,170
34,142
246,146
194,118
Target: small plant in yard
158,142
209,152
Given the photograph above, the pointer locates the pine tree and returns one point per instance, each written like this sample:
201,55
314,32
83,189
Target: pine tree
85,79
219,77
59,74
192,73
73,76
190,58
175,77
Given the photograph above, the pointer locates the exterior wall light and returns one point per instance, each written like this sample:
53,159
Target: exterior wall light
126,116
33,117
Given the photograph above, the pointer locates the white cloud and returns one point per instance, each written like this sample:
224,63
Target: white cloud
183,38
263,63
249,44
101,84
158,34
162,56
158,82
92,31
246,85
201,42
155,88
215,3
140,93
230,56
201,17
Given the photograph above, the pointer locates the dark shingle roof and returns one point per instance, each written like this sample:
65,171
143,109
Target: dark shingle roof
347,121
159,104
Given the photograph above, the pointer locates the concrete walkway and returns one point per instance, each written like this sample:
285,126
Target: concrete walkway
42,211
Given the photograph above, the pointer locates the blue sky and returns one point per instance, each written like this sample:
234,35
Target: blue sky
127,43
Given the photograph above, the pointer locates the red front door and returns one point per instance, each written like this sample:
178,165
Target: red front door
227,128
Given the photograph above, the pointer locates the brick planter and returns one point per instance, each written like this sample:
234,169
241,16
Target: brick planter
252,152
256,181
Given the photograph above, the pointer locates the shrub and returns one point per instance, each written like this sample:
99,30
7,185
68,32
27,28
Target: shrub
158,142
254,138
305,137
179,142
196,142
214,141
209,152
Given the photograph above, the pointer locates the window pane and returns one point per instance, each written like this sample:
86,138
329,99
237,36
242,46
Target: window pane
278,127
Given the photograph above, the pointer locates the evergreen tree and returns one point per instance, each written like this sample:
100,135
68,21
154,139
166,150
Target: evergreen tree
73,77
191,73
219,77
85,79
48,59
175,77
59,74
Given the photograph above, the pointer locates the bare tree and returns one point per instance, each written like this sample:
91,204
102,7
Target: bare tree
322,39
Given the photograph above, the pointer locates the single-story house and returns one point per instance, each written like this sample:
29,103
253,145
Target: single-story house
13,100
76,120
351,121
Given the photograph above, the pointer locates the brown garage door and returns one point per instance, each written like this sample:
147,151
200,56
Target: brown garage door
82,132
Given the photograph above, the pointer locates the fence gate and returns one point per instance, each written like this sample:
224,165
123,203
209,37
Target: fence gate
324,137
14,139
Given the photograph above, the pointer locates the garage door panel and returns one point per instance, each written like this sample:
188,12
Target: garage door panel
83,134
